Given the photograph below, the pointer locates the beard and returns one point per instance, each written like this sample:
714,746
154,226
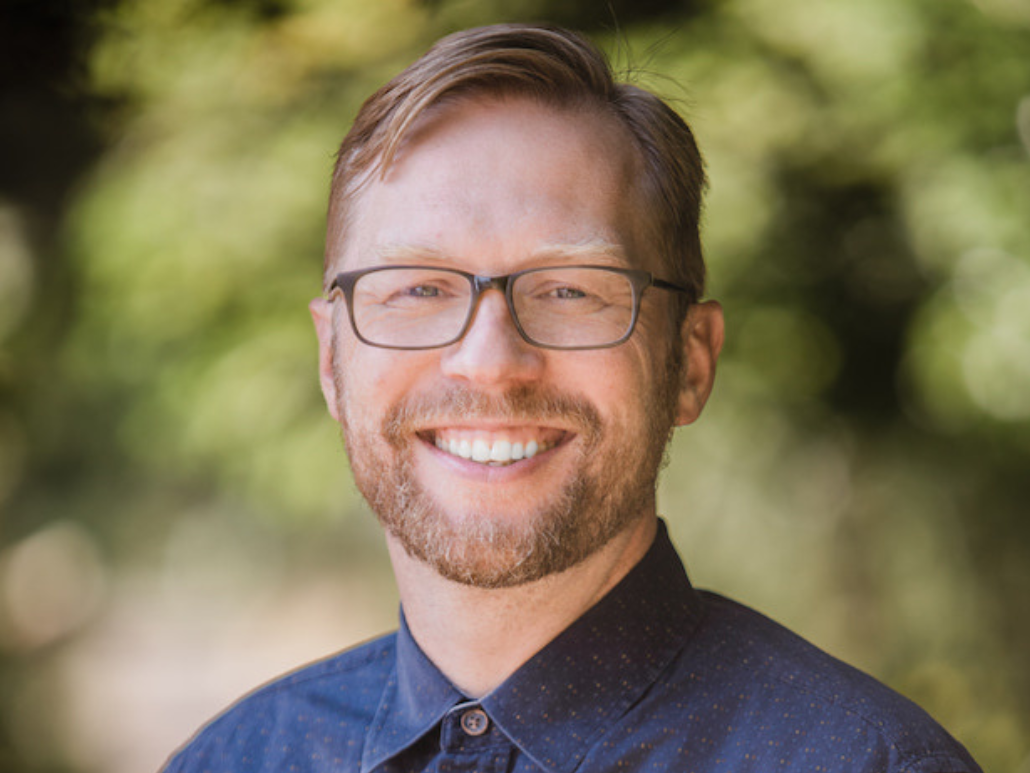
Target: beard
609,490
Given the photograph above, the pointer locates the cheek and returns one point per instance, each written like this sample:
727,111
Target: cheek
658,344
370,381
618,384
647,383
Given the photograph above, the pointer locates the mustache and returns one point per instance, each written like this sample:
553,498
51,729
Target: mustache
517,405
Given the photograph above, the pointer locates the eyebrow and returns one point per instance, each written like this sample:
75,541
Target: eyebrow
599,251
609,252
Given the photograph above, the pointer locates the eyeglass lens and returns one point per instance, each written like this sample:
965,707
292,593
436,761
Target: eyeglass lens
561,307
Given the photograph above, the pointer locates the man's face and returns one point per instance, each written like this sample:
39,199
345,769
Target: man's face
491,187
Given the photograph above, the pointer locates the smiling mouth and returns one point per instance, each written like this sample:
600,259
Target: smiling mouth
495,448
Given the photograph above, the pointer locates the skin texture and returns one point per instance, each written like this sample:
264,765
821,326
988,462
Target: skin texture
492,562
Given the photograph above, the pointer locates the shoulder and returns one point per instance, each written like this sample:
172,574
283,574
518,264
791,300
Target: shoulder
770,681
745,646
325,707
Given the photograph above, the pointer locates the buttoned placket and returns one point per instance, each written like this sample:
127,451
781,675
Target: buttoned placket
470,741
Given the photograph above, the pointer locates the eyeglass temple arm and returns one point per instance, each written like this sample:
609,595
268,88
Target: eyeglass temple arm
663,285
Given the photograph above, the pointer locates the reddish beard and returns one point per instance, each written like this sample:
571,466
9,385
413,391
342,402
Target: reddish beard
593,506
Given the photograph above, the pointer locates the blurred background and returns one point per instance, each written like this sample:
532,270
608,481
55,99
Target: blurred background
176,519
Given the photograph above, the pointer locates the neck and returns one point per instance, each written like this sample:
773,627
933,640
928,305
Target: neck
479,637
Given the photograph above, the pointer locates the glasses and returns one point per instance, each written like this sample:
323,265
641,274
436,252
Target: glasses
566,307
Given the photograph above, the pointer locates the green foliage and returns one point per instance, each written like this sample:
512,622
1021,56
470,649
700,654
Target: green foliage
858,473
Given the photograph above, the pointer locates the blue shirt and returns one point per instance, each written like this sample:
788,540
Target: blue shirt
655,677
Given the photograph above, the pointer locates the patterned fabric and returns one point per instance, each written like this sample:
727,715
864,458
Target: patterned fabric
656,677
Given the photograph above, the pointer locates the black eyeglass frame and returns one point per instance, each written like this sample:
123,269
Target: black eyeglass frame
639,279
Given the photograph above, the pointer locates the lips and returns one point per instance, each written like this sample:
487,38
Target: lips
497,448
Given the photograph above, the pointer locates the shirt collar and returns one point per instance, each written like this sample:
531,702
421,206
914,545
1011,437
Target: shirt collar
415,698
568,694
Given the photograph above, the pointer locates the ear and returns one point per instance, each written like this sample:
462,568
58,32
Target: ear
702,337
322,315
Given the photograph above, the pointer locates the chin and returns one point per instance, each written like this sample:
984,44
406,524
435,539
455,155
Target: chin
490,547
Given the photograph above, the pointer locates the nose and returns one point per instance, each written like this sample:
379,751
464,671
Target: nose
492,352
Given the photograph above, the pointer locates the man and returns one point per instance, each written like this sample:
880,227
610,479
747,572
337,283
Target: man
511,330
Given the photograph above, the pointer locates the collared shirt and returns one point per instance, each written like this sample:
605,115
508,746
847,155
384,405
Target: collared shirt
657,676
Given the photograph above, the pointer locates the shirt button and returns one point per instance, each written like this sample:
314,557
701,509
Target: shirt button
475,722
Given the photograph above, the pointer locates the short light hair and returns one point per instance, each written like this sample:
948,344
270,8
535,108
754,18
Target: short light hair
558,68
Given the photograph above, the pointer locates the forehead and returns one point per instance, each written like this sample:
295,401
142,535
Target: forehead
492,184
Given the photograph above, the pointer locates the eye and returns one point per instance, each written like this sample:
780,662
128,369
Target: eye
423,291
567,293
547,290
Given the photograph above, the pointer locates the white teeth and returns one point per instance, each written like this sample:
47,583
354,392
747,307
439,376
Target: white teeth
482,450
501,451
